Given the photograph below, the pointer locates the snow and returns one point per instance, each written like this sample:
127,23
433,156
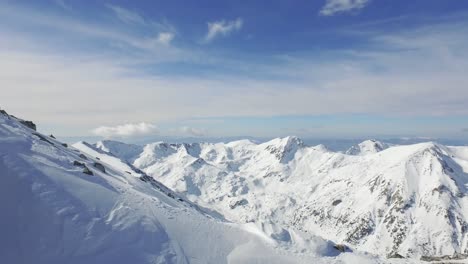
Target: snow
367,147
377,198
54,213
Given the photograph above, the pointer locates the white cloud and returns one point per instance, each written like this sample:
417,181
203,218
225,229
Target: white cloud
333,7
165,38
192,131
126,130
127,16
222,28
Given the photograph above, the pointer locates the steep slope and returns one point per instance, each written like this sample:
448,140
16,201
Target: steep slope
60,205
124,151
405,201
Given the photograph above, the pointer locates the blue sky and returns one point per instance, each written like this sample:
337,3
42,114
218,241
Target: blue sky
316,68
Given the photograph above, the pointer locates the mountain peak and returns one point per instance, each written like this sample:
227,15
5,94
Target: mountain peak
284,148
367,147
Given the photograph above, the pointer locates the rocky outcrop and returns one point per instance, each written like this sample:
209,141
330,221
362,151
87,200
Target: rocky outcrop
28,124
100,167
87,171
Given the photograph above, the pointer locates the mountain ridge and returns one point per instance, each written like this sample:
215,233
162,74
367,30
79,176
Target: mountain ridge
413,188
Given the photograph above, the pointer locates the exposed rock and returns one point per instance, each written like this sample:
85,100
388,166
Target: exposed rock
99,166
65,145
238,203
457,256
395,255
28,124
83,156
341,247
77,163
52,136
336,202
86,170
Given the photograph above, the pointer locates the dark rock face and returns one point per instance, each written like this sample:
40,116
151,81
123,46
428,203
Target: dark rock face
336,202
83,156
457,256
341,247
65,145
238,203
395,255
86,170
29,124
79,164
99,166
52,136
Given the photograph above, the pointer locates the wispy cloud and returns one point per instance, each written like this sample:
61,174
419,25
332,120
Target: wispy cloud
126,15
126,130
333,7
166,34
152,40
222,28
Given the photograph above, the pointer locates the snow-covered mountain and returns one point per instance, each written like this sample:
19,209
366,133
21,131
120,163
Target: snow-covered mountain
395,201
61,204
367,147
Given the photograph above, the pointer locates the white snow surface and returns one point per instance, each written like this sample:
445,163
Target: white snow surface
387,200
52,212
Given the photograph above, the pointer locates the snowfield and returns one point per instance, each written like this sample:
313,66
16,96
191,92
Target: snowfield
395,201
61,204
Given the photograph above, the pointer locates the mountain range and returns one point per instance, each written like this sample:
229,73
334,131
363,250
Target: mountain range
240,202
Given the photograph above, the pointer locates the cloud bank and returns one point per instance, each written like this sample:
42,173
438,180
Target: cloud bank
192,131
126,130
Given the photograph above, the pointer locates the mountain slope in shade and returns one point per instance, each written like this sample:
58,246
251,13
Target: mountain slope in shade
60,205
405,201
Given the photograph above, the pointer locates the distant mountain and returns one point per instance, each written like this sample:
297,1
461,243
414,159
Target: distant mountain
367,147
396,201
